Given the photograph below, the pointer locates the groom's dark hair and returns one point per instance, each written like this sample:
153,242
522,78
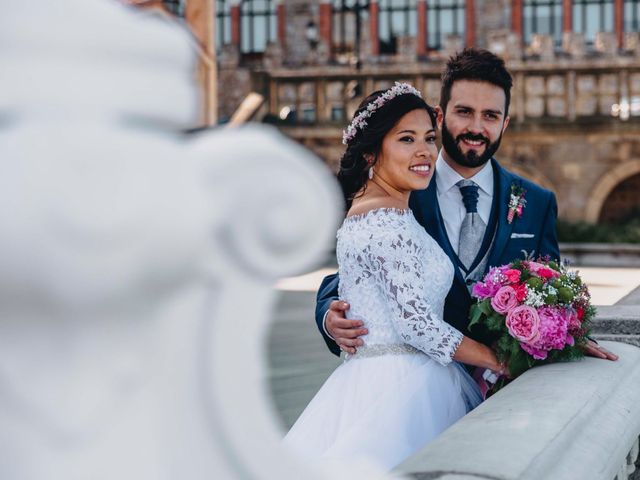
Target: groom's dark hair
476,65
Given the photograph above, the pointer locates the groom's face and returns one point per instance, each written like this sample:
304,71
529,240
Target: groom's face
473,124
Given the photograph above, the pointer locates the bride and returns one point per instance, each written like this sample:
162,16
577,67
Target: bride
405,385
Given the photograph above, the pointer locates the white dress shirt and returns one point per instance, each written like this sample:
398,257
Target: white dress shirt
450,199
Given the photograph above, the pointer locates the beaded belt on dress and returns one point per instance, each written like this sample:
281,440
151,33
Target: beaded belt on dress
382,349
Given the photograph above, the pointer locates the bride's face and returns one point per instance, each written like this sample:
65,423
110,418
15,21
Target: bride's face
408,154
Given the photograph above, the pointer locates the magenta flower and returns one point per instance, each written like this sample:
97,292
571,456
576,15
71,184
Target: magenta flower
481,290
492,282
536,353
553,333
553,328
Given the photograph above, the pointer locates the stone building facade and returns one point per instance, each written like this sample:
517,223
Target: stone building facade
575,114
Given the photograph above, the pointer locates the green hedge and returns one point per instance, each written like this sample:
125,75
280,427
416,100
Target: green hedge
580,232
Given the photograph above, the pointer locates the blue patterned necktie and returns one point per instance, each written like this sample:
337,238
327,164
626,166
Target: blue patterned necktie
472,228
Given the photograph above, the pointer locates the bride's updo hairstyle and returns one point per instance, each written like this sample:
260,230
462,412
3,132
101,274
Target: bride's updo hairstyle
374,118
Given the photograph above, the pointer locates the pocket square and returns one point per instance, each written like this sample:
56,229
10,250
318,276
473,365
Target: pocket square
522,235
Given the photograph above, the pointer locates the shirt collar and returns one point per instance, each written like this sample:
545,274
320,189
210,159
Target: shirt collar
447,177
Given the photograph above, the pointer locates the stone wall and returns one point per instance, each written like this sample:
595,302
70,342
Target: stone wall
575,111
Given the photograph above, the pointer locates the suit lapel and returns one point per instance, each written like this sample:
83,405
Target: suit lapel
502,193
434,225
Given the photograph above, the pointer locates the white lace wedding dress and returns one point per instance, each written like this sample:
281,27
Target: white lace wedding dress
401,389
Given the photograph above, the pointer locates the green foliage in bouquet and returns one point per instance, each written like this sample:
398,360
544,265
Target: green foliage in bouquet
538,311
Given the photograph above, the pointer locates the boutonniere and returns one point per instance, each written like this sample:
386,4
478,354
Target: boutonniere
516,202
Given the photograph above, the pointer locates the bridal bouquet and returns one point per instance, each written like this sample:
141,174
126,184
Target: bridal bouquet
539,311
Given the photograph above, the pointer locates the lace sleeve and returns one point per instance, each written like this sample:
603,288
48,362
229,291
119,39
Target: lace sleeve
399,266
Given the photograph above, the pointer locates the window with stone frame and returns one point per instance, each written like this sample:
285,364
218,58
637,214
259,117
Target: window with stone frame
397,18
543,17
350,24
223,23
631,15
257,25
445,18
591,17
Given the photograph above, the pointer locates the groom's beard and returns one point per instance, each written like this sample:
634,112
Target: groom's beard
471,159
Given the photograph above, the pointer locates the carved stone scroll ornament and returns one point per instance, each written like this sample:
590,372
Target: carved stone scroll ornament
136,267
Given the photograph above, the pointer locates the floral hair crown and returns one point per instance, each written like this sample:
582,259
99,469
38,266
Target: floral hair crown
360,121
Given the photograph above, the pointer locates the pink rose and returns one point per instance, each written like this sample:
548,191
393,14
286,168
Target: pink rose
523,323
504,300
513,275
534,266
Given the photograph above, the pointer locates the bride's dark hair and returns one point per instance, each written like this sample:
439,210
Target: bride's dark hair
354,168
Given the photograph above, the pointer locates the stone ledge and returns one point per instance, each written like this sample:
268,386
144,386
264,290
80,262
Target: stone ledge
576,420
617,319
601,254
632,298
630,339
619,323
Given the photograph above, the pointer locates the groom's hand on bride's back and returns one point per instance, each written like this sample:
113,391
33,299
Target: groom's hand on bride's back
344,331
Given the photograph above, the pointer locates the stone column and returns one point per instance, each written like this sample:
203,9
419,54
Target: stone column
618,21
374,17
567,16
516,17
235,25
421,30
281,12
470,25
201,18
326,22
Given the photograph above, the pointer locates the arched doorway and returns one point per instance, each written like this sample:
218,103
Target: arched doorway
623,202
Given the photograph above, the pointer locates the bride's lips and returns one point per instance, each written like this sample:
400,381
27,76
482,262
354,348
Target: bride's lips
422,169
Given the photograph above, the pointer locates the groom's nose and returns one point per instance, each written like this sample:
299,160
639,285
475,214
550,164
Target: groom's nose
475,124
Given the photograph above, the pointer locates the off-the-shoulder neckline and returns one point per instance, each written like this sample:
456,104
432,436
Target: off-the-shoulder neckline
385,210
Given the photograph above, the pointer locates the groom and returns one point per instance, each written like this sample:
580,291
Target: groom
466,207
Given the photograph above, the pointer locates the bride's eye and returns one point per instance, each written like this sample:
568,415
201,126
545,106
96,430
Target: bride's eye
431,139
406,139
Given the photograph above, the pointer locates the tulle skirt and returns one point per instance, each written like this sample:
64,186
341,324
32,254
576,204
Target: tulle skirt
382,409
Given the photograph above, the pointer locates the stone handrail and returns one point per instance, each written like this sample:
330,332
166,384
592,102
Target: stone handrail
602,254
619,323
578,420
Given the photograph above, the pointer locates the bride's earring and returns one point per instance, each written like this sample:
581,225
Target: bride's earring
371,173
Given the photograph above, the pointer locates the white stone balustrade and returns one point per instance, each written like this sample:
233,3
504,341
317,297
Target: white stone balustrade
577,420
136,266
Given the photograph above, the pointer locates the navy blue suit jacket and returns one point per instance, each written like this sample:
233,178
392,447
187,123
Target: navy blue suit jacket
533,232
